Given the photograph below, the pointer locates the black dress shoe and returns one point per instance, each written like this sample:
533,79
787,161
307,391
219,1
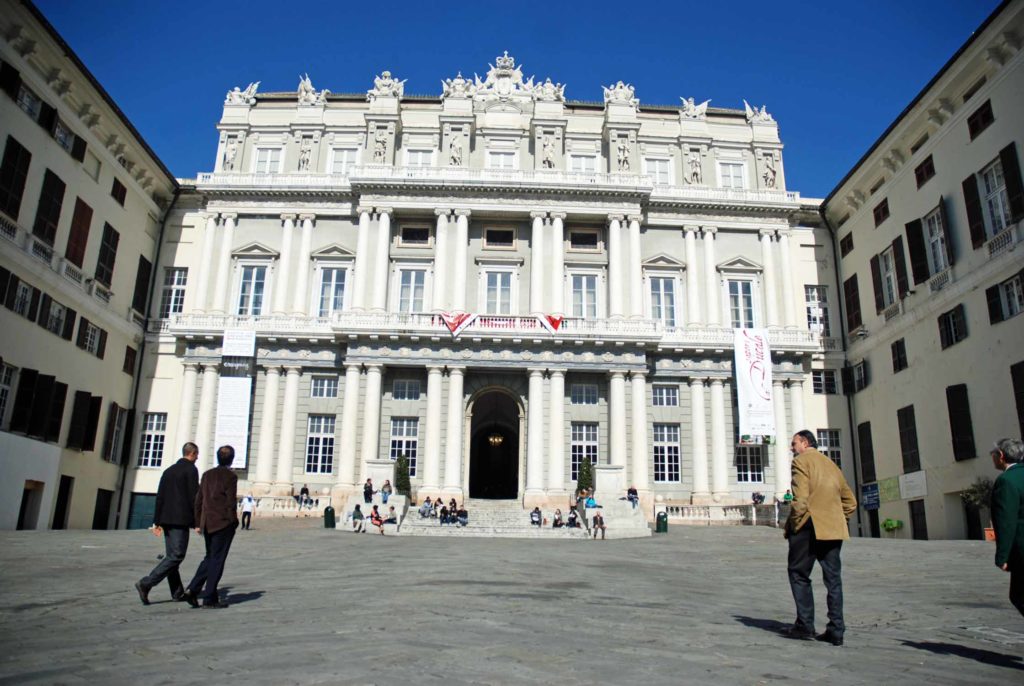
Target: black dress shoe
797,633
190,598
178,596
829,638
143,592
214,606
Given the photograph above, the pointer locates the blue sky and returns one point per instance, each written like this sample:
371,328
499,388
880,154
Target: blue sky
833,74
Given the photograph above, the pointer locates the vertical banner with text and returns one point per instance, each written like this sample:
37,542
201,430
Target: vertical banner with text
234,393
754,384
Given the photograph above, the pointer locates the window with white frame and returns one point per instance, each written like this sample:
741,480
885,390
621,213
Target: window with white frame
665,395
29,102
583,394
251,289
997,202
583,164
332,290
151,443
663,299
828,445
498,292
816,299
411,288
665,451
55,317
172,300
112,445
22,298
887,264
64,136
6,391
324,387
823,381
936,237
405,389
741,303
1012,294
731,175
320,444
584,295
405,440
91,338
659,169
582,446
749,464
419,157
342,159
501,159
268,161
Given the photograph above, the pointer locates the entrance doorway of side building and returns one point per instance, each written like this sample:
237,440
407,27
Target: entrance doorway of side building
495,455
31,502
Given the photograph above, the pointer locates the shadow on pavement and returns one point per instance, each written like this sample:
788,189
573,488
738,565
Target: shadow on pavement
988,657
238,598
772,625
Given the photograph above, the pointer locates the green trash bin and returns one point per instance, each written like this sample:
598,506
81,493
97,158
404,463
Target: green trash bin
661,523
329,517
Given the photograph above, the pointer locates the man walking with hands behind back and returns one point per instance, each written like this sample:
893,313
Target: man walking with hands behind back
173,517
216,513
1008,514
816,528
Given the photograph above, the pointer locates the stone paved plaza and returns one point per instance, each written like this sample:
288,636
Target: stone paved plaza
313,606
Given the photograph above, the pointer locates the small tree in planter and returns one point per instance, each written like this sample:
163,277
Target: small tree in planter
979,495
892,525
585,479
402,485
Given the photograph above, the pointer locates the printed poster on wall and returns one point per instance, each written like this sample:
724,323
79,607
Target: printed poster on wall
233,398
754,382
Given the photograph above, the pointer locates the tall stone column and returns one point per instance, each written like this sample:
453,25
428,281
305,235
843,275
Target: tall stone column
783,457
202,297
432,453
221,288
641,455
371,417
535,436
796,405
349,426
556,434
719,466
286,447
636,273
283,280
383,257
692,282
770,293
617,418
461,251
700,444
615,281
788,302
440,299
712,315
537,271
300,303
188,399
204,431
453,447
268,426
557,295
360,297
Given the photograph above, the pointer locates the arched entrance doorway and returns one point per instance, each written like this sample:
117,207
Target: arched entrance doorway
494,447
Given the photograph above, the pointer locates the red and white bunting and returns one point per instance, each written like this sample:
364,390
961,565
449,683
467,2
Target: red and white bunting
550,322
457,321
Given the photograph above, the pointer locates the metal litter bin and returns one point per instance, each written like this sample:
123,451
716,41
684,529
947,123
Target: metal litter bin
329,518
661,523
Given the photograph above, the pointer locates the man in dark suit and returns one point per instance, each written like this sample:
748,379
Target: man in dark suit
216,515
173,517
1008,514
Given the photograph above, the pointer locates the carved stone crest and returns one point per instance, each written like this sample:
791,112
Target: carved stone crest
459,87
621,93
549,92
386,86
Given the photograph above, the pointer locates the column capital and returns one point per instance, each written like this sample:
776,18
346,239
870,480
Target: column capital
208,216
442,212
213,367
558,215
617,373
615,218
435,368
638,218
307,216
778,382
709,230
456,370
558,371
228,215
271,369
288,217
385,210
770,233
538,215
536,371
691,229
717,381
374,367
638,372
292,369
364,209
698,380
190,366
462,212
785,233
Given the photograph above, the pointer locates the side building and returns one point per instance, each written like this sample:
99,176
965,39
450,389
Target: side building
498,284
928,227
82,199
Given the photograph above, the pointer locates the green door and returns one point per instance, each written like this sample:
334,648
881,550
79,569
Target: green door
140,514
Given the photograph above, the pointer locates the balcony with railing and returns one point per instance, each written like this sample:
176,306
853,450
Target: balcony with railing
940,280
1003,241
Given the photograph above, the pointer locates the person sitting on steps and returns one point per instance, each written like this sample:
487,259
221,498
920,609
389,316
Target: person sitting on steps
573,521
536,517
377,520
392,516
443,518
598,523
358,521
426,509
462,516
556,521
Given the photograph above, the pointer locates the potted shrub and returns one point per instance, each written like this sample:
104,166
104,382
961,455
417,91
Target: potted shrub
979,495
402,486
585,479
892,525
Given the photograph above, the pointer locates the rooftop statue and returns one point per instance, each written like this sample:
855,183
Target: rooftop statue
549,92
309,95
621,93
504,80
237,96
692,110
459,87
757,116
386,86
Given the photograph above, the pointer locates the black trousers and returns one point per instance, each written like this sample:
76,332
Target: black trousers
1017,587
804,549
246,520
211,568
175,546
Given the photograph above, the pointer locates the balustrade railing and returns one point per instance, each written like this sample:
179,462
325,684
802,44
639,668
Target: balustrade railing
940,280
751,515
1002,241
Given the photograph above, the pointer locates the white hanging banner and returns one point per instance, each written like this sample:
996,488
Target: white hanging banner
234,395
753,368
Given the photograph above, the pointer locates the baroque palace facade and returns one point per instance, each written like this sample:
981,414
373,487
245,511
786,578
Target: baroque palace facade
497,283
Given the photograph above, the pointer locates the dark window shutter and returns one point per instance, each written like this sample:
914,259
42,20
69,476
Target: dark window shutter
92,423
101,349
1014,187
69,324
23,399
10,80
1017,377
961,427
847,376
83,328
43,316
5,276
47,117
918,253
126,443
79,417
39,420
947,231
33,305
975,219
851,296
108,436
944,338
56,416
995,304
867,452
78,237
865,373
960,317
907,423
142,277
13,175
876,283
12,292
900,258
78,149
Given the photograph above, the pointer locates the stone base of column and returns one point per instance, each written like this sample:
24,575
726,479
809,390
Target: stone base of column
535,498
702,499
282,489
449,492
340,494
260,488
721,497
432,492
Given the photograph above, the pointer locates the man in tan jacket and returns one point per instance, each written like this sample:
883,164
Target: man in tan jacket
822,503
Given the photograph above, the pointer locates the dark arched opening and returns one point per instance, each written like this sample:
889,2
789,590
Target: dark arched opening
494,447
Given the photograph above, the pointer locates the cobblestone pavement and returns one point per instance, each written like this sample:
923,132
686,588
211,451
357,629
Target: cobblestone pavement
316,606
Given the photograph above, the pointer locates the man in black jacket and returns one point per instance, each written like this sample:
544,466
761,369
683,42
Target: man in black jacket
173,517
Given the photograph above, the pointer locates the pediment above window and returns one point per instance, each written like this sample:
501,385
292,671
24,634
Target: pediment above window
256,250
333,252
663,261
740,264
